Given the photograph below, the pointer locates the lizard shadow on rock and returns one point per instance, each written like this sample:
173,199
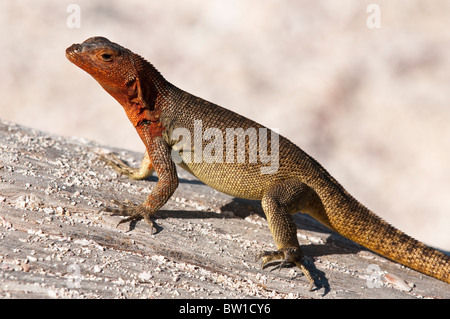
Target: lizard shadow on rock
178,214
334,244
241,208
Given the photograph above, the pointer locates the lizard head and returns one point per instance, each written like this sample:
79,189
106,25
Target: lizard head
107,62
118,70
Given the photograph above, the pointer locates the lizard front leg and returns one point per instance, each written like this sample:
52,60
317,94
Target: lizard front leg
278,203
145,170
160,155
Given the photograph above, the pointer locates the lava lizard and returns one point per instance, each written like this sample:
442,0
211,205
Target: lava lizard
165,115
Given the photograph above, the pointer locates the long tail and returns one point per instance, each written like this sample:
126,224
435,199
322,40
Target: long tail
341,212
372,232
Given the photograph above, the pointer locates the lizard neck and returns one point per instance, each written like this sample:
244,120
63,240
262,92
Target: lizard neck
146,88
151,81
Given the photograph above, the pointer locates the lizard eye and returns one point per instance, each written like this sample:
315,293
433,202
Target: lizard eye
106,57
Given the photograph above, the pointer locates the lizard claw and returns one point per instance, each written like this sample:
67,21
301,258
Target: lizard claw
268,256
287,255
132,211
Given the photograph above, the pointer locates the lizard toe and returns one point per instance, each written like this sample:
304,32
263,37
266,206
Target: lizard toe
287,255
132,212
268,256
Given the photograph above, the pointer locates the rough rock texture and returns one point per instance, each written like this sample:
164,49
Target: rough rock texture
55,242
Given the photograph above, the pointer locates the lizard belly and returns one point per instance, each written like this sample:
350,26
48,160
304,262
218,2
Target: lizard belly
233,179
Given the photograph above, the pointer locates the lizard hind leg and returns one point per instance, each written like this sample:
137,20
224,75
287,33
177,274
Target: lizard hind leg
278,203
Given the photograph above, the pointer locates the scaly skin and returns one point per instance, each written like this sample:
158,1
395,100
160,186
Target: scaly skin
157,108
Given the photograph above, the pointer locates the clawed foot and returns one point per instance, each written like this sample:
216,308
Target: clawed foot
287,255
117,164
132,211
145,170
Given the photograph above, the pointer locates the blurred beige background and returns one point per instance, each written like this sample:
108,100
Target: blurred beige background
371,104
